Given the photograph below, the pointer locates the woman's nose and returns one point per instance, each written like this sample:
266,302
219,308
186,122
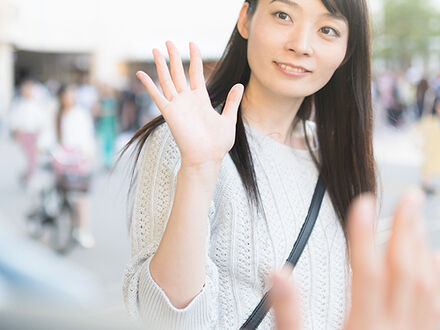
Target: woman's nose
300,40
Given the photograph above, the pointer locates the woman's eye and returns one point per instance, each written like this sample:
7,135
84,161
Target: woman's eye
328,31
282,16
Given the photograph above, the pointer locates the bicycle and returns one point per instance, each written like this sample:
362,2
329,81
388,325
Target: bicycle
55,210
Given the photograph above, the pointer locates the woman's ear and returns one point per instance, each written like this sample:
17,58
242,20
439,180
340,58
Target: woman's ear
243,21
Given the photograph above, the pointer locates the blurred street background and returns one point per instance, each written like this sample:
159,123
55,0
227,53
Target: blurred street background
90,50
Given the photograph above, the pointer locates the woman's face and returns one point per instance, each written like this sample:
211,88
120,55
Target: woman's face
294,46
68,98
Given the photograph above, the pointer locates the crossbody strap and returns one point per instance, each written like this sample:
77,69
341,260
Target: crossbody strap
263,306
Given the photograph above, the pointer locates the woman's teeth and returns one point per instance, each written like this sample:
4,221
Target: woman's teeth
291,69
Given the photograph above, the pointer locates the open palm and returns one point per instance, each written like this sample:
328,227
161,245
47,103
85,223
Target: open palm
202,134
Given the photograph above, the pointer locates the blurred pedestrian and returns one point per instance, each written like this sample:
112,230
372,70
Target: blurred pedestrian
26,124
429,128
76,140
86,94
422,87
405,92
129,114
107,125
436,85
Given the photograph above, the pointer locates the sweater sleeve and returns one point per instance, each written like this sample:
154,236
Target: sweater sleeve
154,198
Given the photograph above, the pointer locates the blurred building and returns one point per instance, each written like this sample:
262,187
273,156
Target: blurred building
53,39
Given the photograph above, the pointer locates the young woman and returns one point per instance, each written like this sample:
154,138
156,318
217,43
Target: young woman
228,171
76,141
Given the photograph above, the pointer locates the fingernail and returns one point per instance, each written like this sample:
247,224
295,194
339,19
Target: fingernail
140,74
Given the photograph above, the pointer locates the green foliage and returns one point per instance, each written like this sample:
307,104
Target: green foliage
407,28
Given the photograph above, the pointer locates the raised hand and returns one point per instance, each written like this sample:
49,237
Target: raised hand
203,135
399,290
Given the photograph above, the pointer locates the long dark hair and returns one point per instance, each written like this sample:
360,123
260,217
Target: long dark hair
59,116
343,113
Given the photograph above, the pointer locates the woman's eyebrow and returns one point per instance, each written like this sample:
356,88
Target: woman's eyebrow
288,2
334,16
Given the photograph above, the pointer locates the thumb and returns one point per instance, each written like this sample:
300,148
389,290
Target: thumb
284,298
233,101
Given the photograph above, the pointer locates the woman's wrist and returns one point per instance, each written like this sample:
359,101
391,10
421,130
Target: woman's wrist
205,170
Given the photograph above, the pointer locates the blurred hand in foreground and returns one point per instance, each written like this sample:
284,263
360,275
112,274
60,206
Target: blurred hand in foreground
397,290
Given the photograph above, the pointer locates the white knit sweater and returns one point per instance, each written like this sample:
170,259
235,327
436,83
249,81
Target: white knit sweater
243,247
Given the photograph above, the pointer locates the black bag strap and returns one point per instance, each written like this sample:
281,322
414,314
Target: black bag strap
263,307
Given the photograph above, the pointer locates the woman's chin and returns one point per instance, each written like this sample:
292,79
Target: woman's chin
293,94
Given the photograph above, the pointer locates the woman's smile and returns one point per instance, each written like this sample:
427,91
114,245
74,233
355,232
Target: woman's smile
292,70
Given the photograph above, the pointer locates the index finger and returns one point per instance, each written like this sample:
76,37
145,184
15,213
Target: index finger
154,92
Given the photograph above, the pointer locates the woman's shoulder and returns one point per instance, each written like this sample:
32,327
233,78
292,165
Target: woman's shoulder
160,147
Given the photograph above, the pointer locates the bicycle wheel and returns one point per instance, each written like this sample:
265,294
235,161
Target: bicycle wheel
37,216
34,224
61,239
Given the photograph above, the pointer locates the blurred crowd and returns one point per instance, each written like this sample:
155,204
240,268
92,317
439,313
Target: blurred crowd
39,109
75,130
403,99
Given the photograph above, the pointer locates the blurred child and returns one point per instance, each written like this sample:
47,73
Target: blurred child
26,123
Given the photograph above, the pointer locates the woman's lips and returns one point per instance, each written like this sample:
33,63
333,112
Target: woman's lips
294,71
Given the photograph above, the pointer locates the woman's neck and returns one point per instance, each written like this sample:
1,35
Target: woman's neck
269,113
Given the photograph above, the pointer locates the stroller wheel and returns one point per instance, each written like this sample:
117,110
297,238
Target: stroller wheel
34,225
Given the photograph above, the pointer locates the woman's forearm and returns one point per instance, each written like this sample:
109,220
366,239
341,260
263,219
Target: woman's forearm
178,265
